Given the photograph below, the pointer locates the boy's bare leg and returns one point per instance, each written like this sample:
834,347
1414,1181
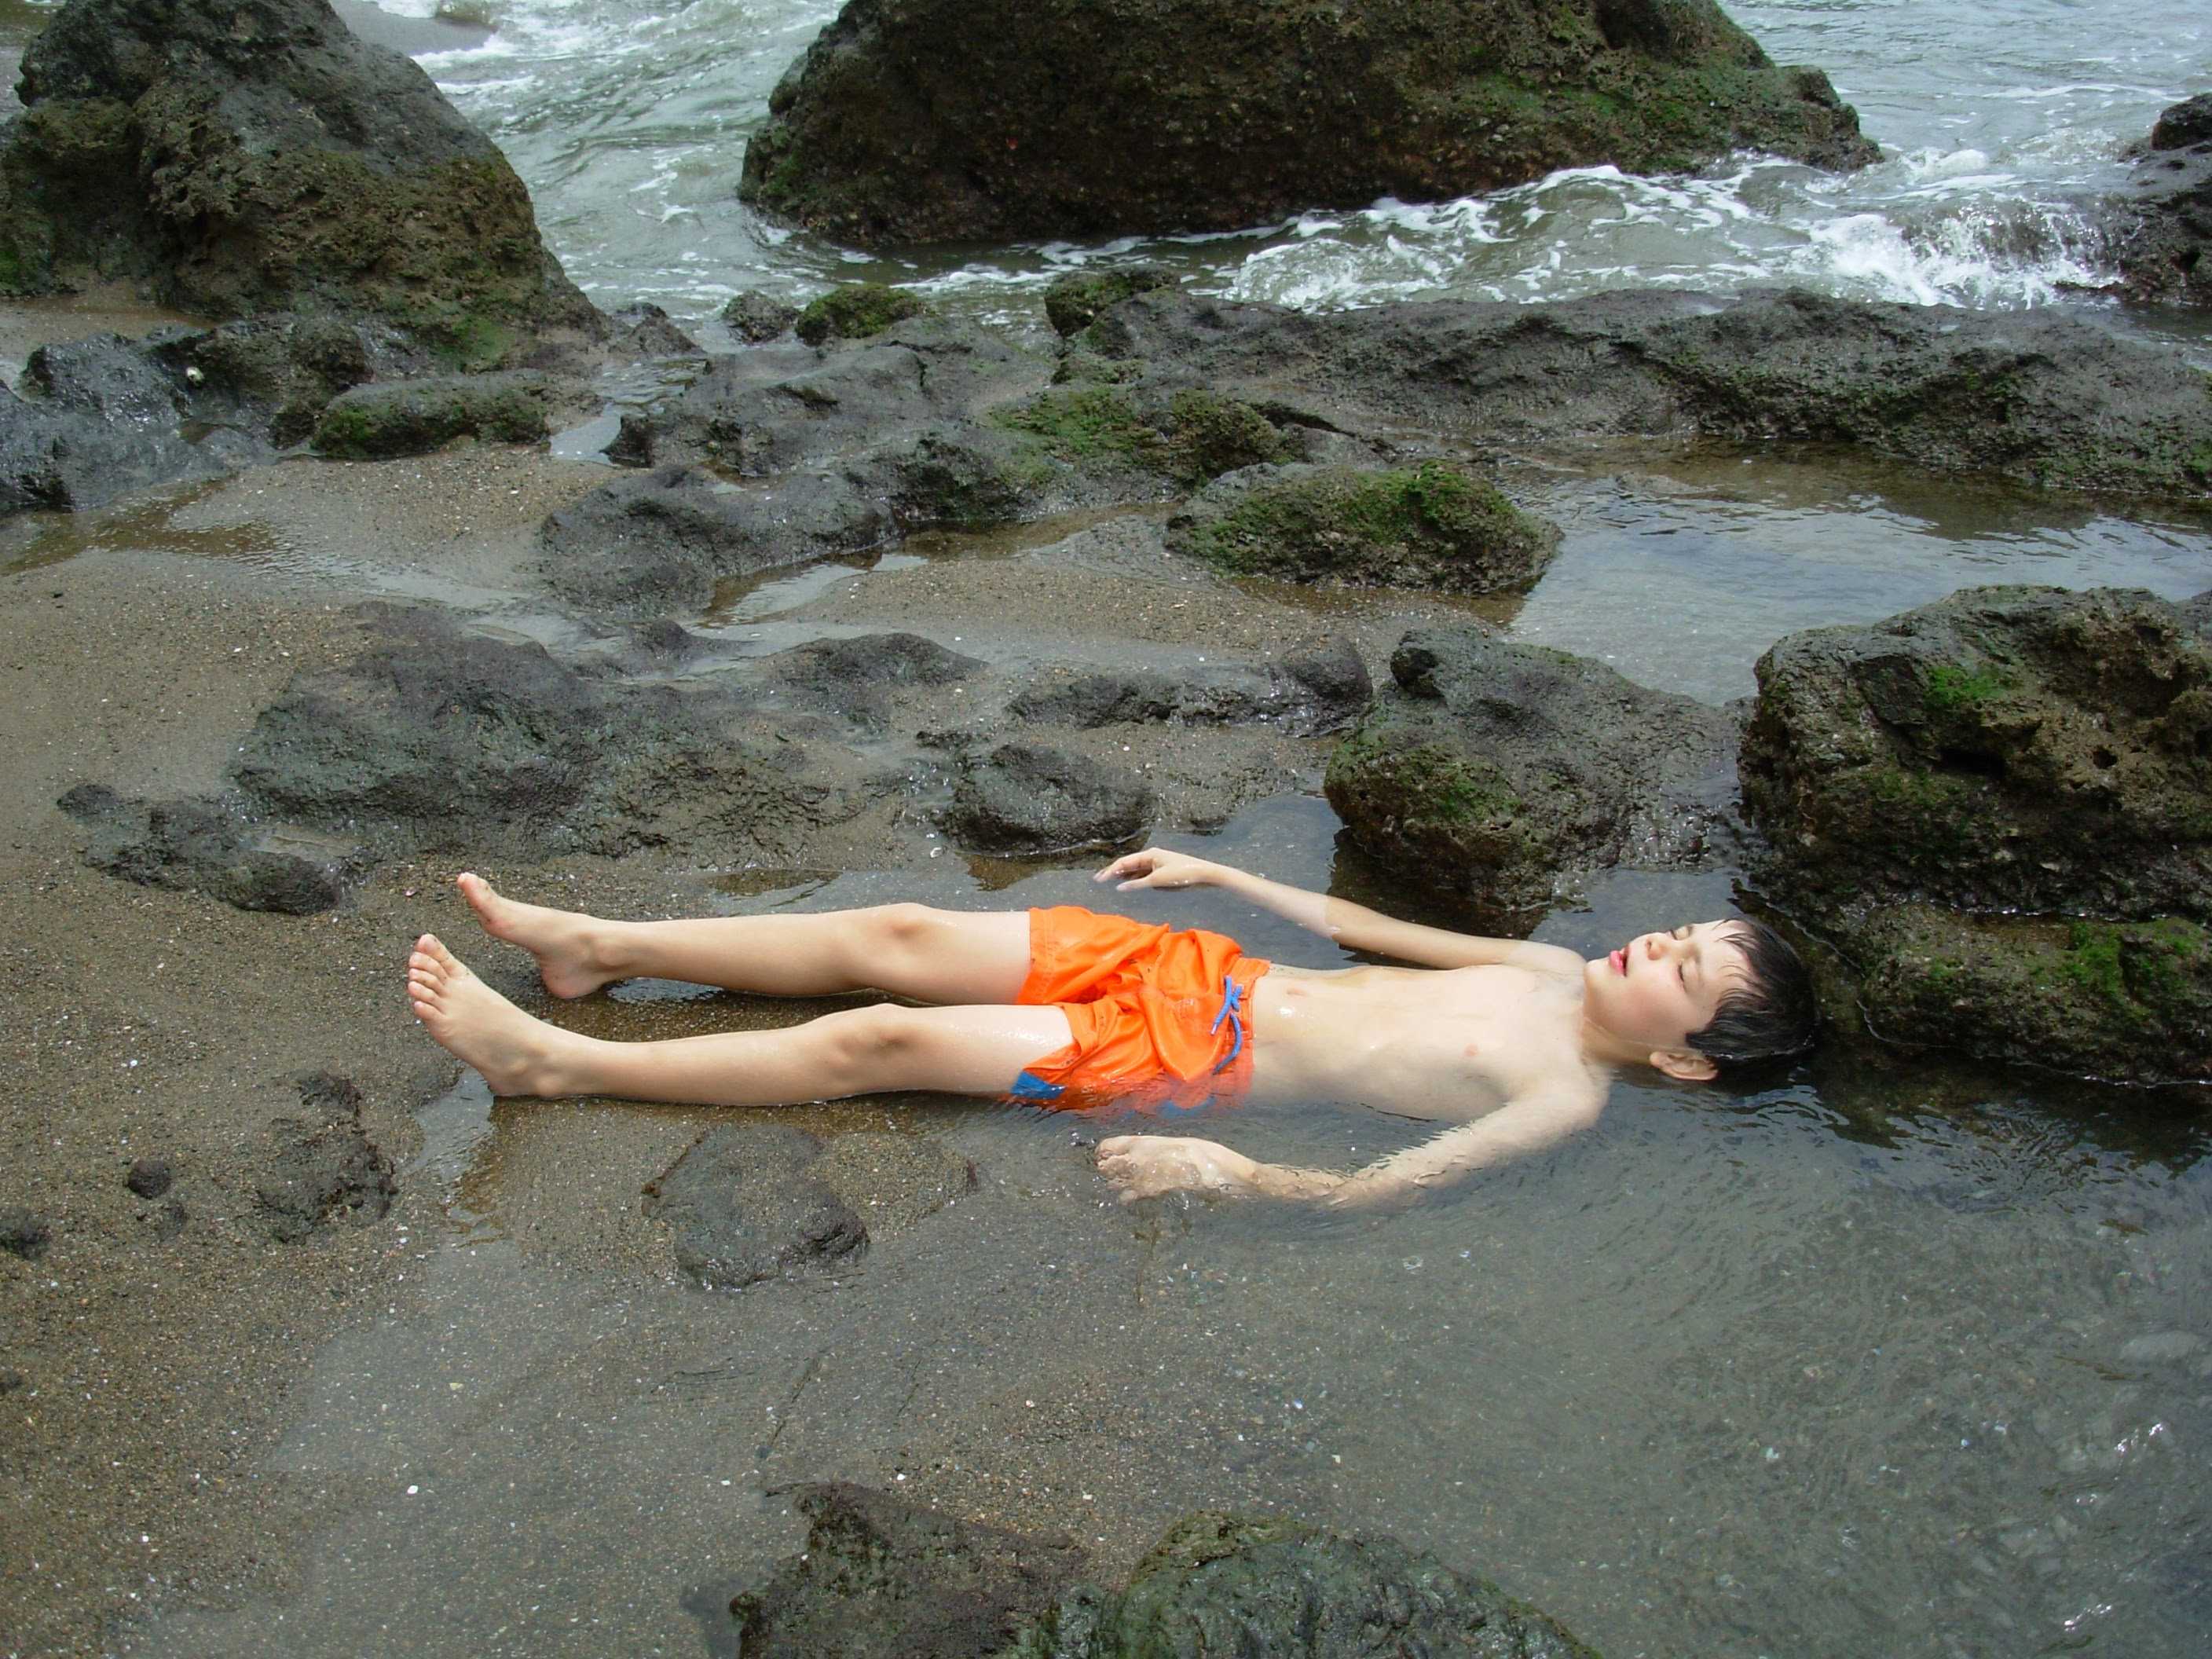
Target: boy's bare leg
908,950
961,1050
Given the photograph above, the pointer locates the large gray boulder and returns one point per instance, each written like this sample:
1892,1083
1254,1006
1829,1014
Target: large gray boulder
919,121
2161,226
1997,807
255,155
1501,771
2048,398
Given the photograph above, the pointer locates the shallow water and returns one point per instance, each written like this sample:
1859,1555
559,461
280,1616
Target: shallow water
1881,1358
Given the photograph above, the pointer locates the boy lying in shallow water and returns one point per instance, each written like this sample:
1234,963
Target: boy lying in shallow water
1514,1044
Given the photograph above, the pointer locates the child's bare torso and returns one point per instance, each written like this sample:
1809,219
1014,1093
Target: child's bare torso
1448,1044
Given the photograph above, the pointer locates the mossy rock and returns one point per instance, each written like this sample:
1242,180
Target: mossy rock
2006,749
2129,1001
1073,302
1195,435
856,312
1436,525
412,417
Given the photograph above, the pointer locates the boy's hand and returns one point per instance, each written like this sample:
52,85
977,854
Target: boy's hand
1158,867
1146,1166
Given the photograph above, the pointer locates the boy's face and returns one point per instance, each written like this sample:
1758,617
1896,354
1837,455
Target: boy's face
1657,989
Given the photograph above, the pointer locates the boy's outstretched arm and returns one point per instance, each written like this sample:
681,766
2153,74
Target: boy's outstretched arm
1354,927
1146,1166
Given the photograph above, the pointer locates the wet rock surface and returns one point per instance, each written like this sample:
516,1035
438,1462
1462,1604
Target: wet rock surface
1031,798
2161,227
1312,691
1263,1584
216,847
243,159
1995,805
321,1168
883,1577
743,1204
1500,771
101,424
2039,396
1155,118
411,418
1439,525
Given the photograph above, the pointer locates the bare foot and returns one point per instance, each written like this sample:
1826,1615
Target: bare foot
571,959
518,1055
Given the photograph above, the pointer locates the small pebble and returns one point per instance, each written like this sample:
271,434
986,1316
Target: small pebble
150,1177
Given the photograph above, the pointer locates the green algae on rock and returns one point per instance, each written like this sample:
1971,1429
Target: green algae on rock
2004,749
258,156
2117,999
857,311
1440,525
928,120
1501,771
412,417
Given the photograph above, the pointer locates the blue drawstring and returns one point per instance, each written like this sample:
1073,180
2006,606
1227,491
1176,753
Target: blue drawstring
1232,1006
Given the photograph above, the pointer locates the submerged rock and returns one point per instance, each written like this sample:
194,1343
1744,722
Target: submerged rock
1439,525
1026,797
743,1205
2161,227
883,1579
925,120
1499,771
258,156
322,1167
881,1576
1220,1584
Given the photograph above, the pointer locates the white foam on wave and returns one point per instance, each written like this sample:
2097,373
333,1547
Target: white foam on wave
1977,255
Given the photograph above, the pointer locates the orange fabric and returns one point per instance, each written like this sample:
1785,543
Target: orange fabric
1144,1001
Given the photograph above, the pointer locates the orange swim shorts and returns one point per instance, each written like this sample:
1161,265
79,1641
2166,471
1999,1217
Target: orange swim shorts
1158,1014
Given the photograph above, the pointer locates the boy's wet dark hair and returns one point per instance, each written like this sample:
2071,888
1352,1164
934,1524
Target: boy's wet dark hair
1771,1015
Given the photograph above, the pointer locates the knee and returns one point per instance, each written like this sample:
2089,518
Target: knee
902,929
867,1044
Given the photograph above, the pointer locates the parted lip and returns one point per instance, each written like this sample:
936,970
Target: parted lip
1619,959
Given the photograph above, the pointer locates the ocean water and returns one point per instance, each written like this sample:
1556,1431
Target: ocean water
1998,123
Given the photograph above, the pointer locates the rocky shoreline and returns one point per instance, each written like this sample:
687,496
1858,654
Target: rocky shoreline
235,788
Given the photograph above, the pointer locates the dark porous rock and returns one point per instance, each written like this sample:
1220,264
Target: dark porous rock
664,537
884,1579
219,848
321,1167
632,444
1184,435
927,121
2006,748
413,417
2159,228
856,677
1439,525
102,422
2050,398
743,1205
1496,770
22,1234
857,312
1073,302
754,317
645,331
1311,692
150,1177
251,157
269,376
2128,1000
1025,798
433,737
1220,1584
